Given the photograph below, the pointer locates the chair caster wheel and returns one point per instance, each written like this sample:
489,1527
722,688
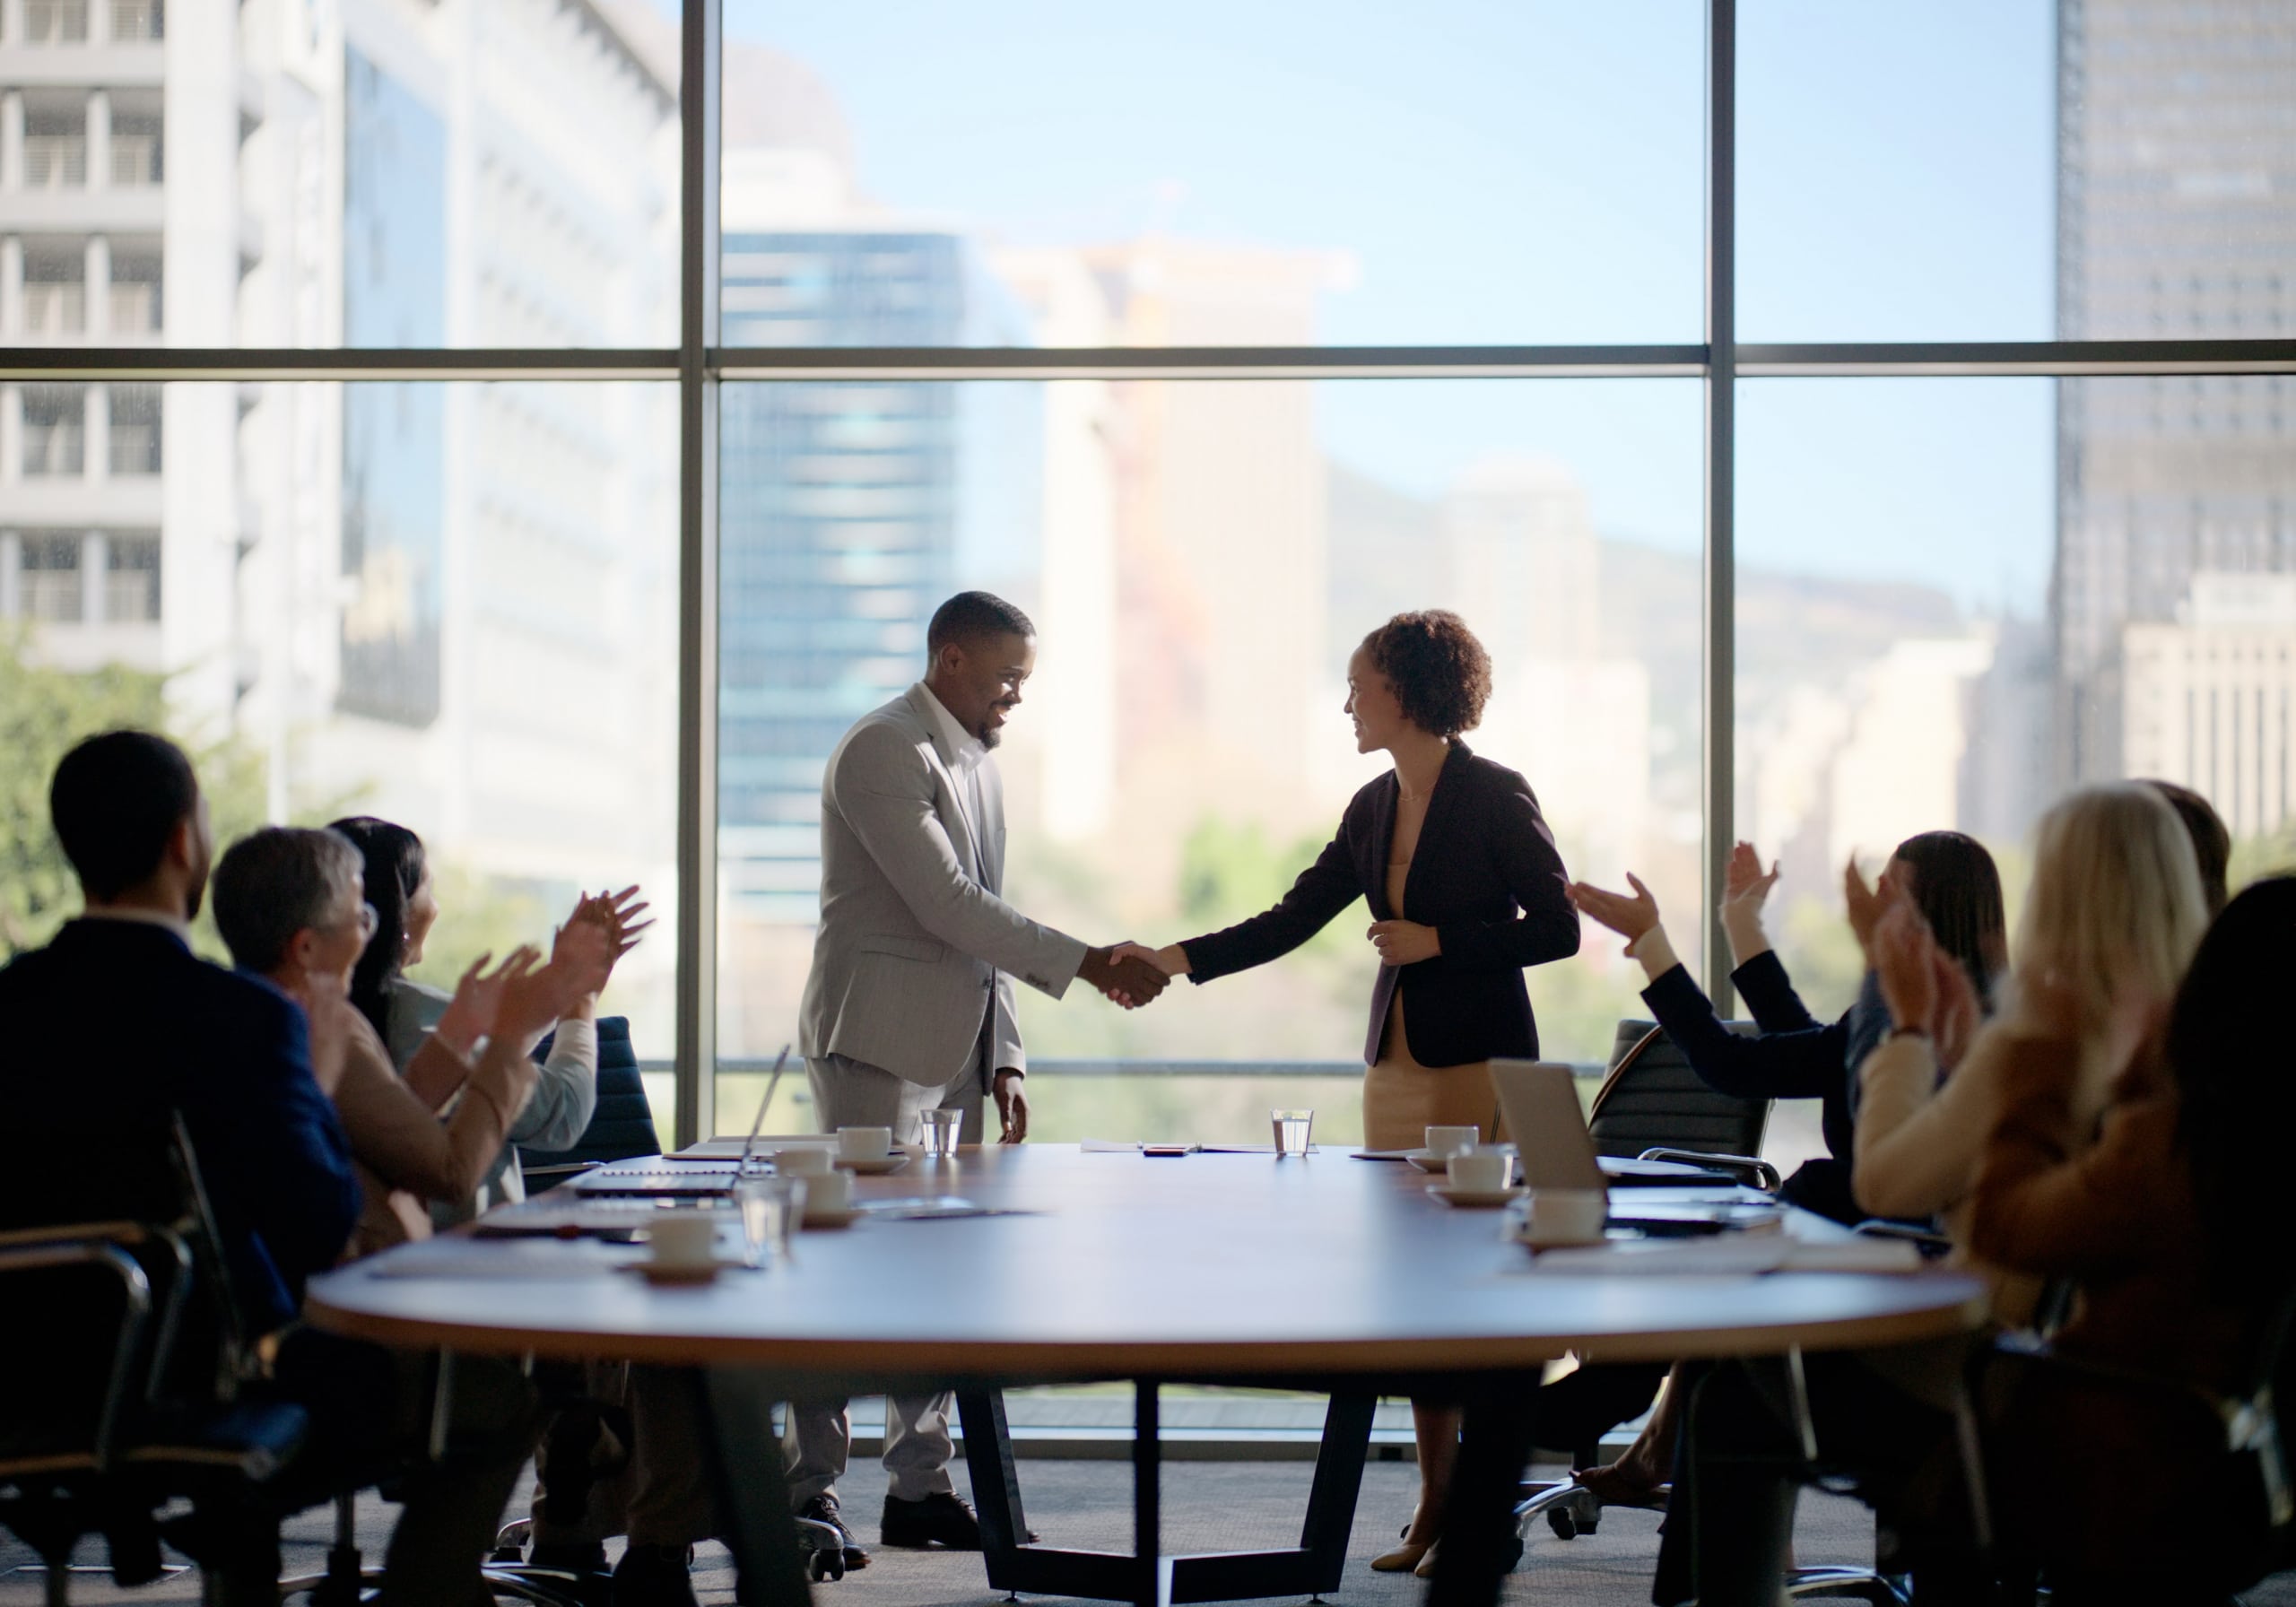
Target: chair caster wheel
825,1566
1565,1526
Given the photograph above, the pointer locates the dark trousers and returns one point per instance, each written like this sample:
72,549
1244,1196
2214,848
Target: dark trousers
1578,1408
371,1423
1743,1458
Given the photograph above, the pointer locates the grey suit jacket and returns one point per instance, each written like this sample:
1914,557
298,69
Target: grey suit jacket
915,945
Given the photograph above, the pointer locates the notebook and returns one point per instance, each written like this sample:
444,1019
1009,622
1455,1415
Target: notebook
684,1179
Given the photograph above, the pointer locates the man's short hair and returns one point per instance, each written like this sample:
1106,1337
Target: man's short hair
116,800
969,616
276,881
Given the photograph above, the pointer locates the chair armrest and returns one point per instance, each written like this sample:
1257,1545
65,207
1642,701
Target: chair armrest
1759,1173
1927,1241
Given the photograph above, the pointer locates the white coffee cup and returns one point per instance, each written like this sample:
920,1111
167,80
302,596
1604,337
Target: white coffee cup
1566,1216
865,1144
804,1161
1479,1172
830,1192
1443,1143
684,1239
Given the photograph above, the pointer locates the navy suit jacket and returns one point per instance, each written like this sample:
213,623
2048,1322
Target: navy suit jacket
1487,875
115,1023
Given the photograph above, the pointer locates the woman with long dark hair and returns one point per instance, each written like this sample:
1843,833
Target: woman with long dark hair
1465,890
400,886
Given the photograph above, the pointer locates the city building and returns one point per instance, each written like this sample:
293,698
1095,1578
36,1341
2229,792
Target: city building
2209,697
2176,218
430,601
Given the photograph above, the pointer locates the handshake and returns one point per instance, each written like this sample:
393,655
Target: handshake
1133,974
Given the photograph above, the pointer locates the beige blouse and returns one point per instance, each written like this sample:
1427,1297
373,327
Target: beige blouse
406,1154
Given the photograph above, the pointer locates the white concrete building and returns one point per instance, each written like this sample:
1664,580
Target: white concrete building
2208,697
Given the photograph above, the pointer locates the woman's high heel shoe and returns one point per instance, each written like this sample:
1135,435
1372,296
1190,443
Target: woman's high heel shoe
1404,1556
1426,1569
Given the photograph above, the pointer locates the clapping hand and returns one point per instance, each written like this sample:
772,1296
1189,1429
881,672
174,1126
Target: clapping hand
470,1015
1631,917
1905,962
617,914
534,997
1126,973
1867,905
1744,883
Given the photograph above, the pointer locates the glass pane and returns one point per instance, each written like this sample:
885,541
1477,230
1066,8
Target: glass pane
1992,170
1956,598
451,606
1199,560
1219,175
478,175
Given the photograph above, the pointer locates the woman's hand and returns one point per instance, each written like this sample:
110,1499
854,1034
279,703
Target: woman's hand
470,1015
1905,963
1404,943
1867,905
1746,888
1629,917
1172,960
1958,1014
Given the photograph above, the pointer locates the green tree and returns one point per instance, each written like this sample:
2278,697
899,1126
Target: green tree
44,713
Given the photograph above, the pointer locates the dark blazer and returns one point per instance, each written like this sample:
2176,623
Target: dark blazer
1795,1057
1485,875
115,1023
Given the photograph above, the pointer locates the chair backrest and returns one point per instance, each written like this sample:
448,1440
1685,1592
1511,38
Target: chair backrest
624,1124
1653,1099
107,1251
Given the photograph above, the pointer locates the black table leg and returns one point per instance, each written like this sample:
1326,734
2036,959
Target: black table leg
1147,1577
752,1496
1495,1442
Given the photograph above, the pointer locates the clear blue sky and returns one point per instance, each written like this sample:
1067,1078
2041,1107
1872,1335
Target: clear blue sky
1522,172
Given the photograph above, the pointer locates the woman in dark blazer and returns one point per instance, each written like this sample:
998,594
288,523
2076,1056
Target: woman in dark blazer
1465,889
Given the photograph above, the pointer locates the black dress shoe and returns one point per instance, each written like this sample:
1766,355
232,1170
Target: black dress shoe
823,1509
943,1520
655,1577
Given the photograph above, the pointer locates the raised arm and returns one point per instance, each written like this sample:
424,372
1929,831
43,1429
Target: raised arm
398,1139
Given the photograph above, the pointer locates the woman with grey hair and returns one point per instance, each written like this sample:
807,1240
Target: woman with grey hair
292,908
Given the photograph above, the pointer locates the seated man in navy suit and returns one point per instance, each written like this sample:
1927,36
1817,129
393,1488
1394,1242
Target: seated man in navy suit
117,1023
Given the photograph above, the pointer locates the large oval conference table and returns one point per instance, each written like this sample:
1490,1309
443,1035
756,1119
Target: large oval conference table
1324,1272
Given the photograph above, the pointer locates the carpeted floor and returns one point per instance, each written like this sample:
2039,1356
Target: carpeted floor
1209,1507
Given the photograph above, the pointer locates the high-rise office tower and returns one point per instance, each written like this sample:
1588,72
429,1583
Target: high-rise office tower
2176,219
427,599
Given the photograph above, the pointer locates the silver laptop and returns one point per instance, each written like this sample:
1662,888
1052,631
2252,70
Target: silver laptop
1540,1100
672,1179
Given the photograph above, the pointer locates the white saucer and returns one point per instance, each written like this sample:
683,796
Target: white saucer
829,1219
874,1168
698,1271
1424,1159
1473,1199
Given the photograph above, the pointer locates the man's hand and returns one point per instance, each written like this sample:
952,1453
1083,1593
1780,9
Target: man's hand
1404,943
1007,1087
1127,973
1629,917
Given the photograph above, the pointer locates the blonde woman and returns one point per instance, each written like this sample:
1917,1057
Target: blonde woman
2111,921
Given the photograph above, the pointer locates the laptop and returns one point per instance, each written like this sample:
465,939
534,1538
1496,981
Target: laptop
663,1178
1540,1101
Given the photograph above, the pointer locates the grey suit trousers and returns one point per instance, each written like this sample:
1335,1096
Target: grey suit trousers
847,1093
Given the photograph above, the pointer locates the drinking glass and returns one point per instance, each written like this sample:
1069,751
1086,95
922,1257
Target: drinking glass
1291,1128
770,1209
941,1128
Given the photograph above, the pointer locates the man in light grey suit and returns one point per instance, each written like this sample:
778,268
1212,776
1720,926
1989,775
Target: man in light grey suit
909,1005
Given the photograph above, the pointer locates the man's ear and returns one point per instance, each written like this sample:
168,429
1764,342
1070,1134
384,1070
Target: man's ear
183,843
302,949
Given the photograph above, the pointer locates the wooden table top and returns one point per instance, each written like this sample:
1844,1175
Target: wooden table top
1128,1266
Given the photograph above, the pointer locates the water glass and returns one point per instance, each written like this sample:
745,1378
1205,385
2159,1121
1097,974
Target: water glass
941,1130
770,1210
1291,1129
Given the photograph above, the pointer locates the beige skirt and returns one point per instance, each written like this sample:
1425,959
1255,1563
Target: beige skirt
1402,1099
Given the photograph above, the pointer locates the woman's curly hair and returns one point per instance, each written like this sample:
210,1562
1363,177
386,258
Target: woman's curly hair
1441,672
